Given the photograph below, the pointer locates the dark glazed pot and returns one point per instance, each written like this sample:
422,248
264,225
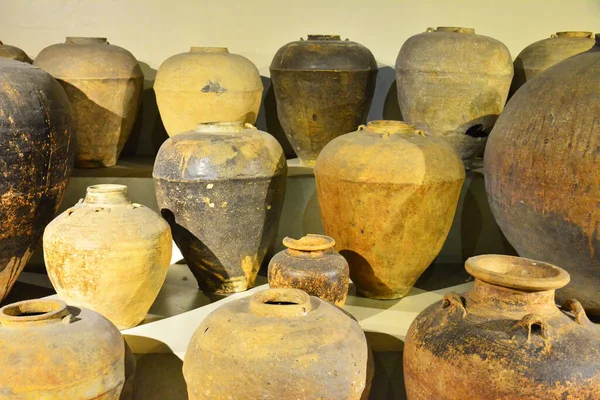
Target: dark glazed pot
323,88
37,159
542,175
221,189
504,339
311,264
278,344
14,53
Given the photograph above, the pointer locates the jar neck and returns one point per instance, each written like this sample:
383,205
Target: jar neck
280,303
215,50
515,303
107,195
574,34
85,40
309,246
33,312
455,29
390,127
223,127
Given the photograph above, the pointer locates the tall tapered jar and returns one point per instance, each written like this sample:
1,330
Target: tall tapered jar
388,196
104,84
323,88
36,149
221,189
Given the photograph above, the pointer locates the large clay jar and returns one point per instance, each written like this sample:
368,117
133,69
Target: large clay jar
311,264
278,344
14,53
388,196
505,338
323,88
208,84
104,83
541,55
109,254
36,153
221,189
542,174
52,351
453,84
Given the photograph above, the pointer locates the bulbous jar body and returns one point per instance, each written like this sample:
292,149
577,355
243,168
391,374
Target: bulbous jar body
310,264
543,54
278,344
52,351
14,53
221,189
207,84
104,83
542,173
323,88
453,84
388,196
36,149
505,337
109,255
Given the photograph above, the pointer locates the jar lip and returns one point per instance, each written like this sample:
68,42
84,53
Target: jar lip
310,242
107,188
517,272
575,34
323,37
86,40
455,29
41,310
280,303
388,127
201,49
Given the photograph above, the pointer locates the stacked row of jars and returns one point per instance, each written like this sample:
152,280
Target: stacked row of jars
388,193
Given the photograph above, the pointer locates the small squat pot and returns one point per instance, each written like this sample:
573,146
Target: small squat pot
311,264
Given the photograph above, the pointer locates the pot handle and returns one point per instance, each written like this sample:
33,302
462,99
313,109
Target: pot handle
248,125
454,303
528,323
575,308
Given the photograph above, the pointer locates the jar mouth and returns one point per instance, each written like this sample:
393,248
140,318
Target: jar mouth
107,188
517,272
282,303
199,49
86,40
33,311
390,127
575,34
222,127
310,242
324,37
455,29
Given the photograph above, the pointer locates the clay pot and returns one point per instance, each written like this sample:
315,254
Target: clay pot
49,350
109,255
542,173
37,159
541,55
104,83
14,53
311,264
505,338
208,84
388,196
323,88
221,189
278,344
453,84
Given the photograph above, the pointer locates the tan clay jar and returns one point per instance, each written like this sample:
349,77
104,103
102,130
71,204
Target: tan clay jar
504,339
109,255
388,196
208,84
453,84
278,344
311,264
543,54
52,351
14,53
104,83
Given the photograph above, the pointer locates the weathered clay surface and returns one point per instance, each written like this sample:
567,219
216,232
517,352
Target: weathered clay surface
541,55
310,264
54,352
388,196
14,53
278,344
104,83
323,89
504,339
109,255
208,84
221,189
35,163
542,175
453,84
